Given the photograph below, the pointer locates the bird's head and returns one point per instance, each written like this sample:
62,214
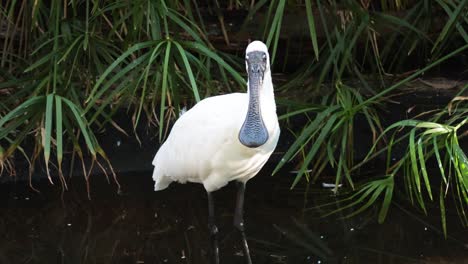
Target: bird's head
257,61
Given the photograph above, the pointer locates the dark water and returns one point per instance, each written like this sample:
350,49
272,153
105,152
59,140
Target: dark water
142,226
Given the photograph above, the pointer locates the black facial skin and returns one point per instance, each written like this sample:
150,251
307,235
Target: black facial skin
253,133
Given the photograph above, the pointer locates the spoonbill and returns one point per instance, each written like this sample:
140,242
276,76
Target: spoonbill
224,138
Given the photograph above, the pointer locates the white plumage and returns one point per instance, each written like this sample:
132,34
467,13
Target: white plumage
203,145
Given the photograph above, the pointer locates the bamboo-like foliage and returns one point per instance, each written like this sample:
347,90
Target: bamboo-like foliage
327,139
431,142
67,66
50,89
70,65
137,75
331,129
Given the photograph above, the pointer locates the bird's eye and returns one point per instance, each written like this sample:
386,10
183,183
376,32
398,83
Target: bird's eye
246,57
264,57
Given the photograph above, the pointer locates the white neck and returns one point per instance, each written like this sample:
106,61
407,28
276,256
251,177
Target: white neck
267,96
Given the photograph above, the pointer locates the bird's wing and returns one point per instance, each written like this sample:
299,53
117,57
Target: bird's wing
199,135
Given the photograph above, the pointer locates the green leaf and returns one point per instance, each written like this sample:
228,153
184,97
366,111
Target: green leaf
81,123
305,137
399,22
311,154
377,191
40,62
450,23
443,217
21,109
100,90
439,161
164,89
193,83
144,76
313,34
48,126
387,200
59,130
414,75
174,16
113,66
414,161
275,29
207,52
422,164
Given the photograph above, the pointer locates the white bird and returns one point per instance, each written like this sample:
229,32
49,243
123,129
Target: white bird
224,138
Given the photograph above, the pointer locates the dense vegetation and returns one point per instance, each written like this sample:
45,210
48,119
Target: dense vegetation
67,67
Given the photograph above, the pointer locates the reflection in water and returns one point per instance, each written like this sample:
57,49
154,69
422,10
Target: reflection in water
142,226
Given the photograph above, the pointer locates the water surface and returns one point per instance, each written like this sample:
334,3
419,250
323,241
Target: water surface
142,226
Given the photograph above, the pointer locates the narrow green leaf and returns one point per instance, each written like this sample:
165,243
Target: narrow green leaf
207,52
376,193
113,66
21,109
403,123
422,164
81,123
437,131
17,122
305,136
349,45
40,62
434,125
48,127
274,24
59,130
313,34
275,29
357,198
443,218
193,83
387,200
70,48
324,133
100,90
450,24
414,161
439,161
154,54
174,16
400,22
461,168
300,111
412,76
164,89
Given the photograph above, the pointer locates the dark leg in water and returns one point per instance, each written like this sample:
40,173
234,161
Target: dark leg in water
239,219
213,230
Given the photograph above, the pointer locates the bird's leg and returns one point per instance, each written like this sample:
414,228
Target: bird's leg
239,219
213,229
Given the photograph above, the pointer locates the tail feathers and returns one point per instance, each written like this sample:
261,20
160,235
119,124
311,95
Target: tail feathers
161,185
160,182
